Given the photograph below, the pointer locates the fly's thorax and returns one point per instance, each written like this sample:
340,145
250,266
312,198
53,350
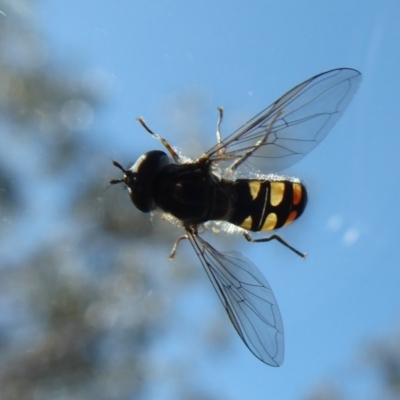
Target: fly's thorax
191,193
267,204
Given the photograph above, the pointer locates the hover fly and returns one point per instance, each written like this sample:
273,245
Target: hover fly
233,185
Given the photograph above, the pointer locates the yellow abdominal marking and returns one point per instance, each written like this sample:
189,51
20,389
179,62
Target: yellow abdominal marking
270,222
297,193
277,193
254,189
247,223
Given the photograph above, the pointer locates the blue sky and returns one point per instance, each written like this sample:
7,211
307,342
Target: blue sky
174,63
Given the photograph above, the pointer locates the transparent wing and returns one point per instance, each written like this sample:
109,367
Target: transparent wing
247,298
288,129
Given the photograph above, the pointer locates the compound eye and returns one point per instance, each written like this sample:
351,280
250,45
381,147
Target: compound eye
148,164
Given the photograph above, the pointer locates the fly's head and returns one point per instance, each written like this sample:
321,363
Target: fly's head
140,177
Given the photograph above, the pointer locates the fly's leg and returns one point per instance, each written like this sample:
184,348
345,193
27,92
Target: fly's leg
220,145
219,140
262,141
171,151
175,248
279,239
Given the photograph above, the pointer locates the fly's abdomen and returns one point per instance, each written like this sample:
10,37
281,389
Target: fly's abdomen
264,205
